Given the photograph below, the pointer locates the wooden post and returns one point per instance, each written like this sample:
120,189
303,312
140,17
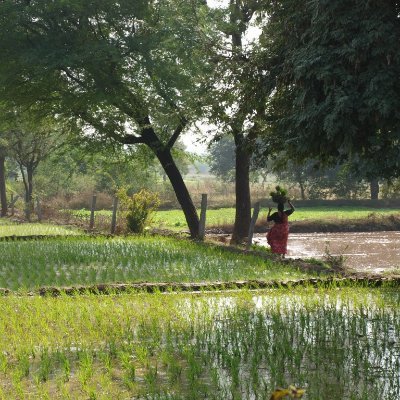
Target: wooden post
252,225
114,215
202,225
91,223
38,210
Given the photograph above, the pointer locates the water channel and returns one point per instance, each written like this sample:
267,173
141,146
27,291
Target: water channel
375,252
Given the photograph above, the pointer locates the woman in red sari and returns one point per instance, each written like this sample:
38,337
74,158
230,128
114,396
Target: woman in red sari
277,236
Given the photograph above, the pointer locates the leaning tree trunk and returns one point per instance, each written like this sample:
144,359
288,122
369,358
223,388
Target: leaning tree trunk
242,189
3,193
163,154
374,188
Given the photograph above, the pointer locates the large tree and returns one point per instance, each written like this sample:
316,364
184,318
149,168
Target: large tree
337,95
238,98
127,71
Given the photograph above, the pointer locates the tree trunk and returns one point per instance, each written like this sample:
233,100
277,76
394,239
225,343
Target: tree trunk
28,193
3,193
302,191
242,163
374,188
182,194
242,189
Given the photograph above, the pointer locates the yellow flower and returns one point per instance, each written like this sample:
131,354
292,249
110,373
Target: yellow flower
292,391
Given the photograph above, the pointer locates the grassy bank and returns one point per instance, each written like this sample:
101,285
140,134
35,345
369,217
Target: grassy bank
337,344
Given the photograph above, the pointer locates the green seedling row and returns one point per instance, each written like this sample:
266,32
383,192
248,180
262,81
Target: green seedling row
80,260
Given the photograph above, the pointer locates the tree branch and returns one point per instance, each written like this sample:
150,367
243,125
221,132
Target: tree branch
108,131
177,132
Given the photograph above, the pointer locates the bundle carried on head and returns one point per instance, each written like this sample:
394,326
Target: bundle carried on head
280,195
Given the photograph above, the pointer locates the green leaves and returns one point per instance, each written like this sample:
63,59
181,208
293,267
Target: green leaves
338,81
100,61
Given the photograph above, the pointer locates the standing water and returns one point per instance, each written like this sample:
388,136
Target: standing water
364,251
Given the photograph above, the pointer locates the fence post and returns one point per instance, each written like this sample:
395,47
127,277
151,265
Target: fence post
12,204
114,215
252,225
202,224
38,210
91,223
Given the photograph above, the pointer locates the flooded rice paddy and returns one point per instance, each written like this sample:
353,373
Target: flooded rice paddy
336,344
375,252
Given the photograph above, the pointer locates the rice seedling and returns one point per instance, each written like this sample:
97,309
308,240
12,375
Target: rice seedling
332,343
71,261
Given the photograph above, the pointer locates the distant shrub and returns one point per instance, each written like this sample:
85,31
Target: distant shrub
139,208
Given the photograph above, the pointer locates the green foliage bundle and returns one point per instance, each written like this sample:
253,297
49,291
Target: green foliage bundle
280,195
140,207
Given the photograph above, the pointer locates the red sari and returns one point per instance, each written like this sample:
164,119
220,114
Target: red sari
277,236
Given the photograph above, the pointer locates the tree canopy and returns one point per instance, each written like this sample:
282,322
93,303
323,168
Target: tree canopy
337,81
127,71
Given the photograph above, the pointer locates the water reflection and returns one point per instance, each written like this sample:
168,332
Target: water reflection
338,345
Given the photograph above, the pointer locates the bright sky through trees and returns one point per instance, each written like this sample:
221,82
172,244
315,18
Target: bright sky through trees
193,139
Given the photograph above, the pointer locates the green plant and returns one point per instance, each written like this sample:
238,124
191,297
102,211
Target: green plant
337,262
280,195
140,207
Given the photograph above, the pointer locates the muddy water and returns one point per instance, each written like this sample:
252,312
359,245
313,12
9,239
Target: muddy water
364,251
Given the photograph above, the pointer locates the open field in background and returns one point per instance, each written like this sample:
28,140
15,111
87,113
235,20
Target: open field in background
224,216
175,219
72,261
336,343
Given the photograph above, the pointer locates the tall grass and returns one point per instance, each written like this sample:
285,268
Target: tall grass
338,344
